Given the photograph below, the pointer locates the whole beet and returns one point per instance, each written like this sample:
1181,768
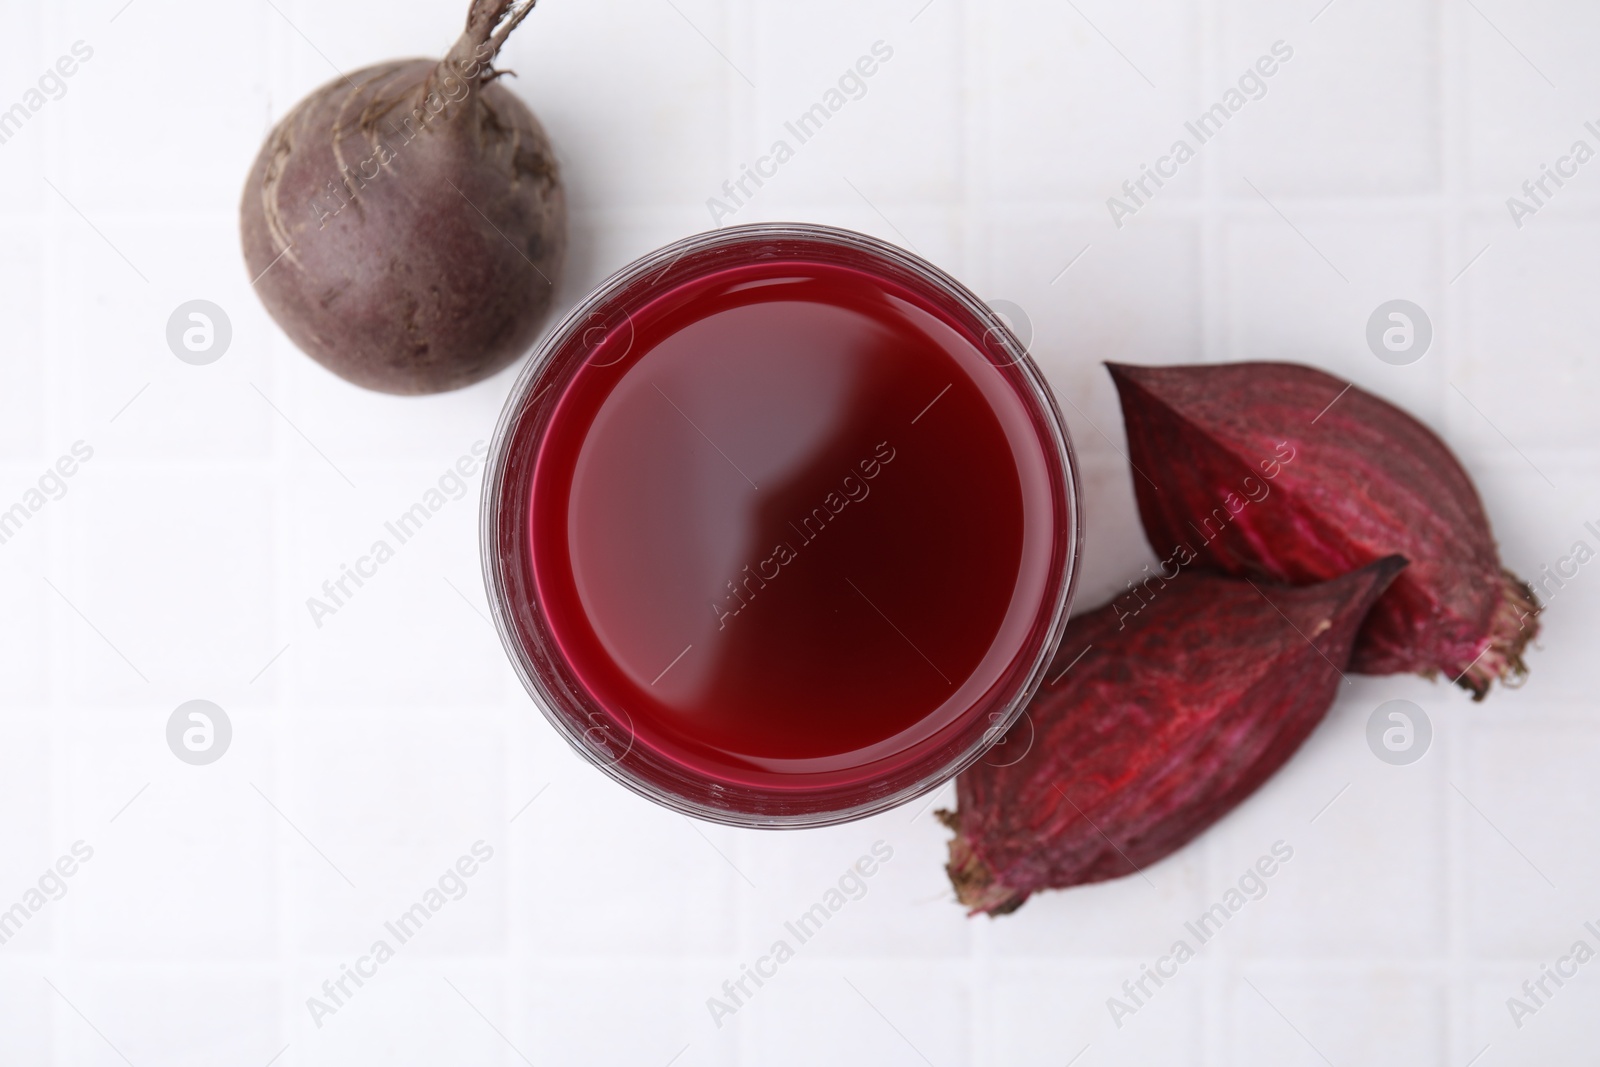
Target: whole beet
1163,719
1282,471
406,224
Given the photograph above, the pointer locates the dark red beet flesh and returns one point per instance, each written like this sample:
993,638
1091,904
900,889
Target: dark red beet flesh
1173,716
406,225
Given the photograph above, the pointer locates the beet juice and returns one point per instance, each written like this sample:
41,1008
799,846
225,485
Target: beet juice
780,526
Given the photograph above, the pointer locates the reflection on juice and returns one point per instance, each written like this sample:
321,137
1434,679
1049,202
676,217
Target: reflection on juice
794,521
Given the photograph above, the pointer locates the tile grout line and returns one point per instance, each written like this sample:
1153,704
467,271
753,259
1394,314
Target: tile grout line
284,680
1212,230
1449,240
55,380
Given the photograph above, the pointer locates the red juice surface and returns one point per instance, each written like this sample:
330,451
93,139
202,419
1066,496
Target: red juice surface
790,524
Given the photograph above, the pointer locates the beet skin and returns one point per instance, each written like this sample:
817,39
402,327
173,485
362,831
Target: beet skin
1176,712
1281,471
406,224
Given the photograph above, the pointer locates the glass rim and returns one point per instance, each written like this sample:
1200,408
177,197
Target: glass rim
557,342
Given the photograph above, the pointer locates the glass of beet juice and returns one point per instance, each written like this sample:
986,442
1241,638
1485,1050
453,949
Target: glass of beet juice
780,526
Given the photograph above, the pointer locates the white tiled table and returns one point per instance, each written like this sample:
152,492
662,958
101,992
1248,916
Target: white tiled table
376,749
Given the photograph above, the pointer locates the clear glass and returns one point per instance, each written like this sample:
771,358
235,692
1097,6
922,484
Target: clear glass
605,735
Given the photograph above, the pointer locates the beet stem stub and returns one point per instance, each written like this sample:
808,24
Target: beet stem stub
489,23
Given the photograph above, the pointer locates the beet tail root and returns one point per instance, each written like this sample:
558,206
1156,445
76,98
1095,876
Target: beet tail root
1511,627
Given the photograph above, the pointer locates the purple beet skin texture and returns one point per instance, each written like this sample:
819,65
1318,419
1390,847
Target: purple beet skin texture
1173,715
1293,475
406,225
